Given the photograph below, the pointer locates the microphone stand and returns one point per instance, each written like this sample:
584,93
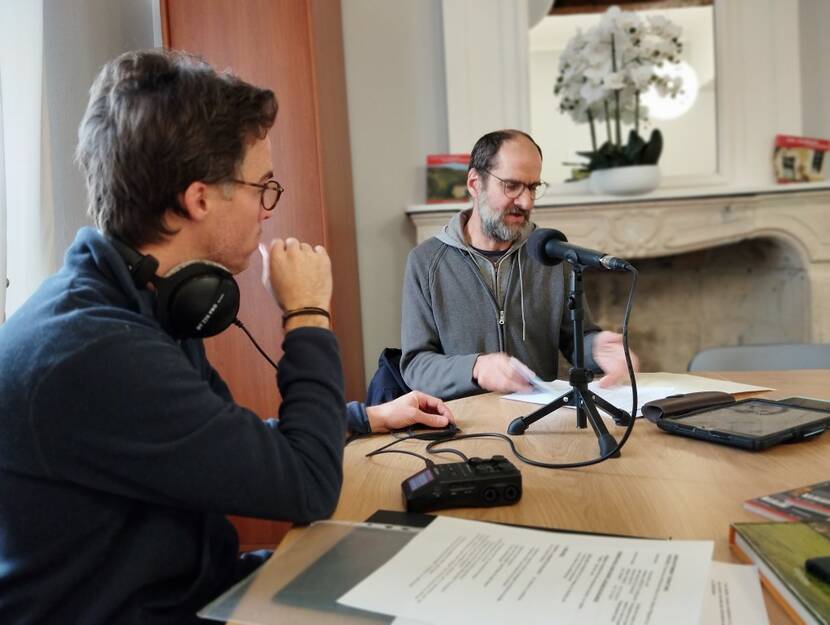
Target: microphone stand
579,396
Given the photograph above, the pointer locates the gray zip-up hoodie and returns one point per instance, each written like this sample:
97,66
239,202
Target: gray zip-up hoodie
458,305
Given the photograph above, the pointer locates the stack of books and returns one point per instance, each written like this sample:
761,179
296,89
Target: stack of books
780,550
806,503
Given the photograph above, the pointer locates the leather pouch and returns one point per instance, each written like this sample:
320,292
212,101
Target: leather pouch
674,405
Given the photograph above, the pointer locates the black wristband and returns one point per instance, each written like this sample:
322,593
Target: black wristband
307,310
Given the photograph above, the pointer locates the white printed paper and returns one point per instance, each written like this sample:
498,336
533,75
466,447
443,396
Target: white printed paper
733,596
459,571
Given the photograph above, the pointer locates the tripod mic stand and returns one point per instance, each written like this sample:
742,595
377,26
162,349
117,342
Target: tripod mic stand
579,396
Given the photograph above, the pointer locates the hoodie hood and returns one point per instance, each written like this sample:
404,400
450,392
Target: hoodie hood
454,236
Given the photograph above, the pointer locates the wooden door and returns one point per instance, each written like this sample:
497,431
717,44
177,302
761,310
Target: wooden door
295,48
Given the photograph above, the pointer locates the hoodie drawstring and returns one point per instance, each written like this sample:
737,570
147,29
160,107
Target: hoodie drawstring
521,293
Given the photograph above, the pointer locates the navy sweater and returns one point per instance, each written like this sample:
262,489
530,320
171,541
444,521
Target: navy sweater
121,450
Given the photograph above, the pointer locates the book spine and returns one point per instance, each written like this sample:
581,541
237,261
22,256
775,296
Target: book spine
804,503
769,512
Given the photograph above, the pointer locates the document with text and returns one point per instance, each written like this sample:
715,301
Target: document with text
732,597
467,571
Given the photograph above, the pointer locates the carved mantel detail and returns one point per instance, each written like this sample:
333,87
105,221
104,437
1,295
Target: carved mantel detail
649,229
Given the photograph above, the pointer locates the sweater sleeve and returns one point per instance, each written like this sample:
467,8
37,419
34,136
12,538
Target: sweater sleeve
424,366
356,418
131,415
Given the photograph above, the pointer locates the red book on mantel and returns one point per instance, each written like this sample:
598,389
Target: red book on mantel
447,178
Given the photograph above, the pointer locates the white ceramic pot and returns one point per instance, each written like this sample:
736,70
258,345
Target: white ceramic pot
632,180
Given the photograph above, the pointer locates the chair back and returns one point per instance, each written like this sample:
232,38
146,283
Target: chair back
387,383
775,357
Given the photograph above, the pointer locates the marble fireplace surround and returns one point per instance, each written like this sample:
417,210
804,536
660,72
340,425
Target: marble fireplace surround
660,227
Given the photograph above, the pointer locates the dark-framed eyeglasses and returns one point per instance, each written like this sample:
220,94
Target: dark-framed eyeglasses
514,188
270,192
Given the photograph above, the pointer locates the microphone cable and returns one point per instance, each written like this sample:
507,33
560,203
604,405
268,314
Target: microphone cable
431,447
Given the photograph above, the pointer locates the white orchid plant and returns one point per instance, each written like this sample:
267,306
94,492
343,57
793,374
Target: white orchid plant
602,74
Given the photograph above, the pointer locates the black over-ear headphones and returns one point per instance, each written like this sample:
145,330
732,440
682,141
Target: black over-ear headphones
195,300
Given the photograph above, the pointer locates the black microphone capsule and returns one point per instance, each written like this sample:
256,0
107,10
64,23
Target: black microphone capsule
551,247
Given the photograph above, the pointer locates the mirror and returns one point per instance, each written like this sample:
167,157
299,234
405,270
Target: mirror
688,122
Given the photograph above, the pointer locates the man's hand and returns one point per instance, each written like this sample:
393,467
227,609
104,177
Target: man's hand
493,372
609,355
300,277
414,407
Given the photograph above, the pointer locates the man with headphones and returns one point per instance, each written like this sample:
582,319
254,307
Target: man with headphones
121,448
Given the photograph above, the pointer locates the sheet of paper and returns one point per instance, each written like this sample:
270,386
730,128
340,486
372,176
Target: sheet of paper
619,396
650,386
459,571
687,383
733,596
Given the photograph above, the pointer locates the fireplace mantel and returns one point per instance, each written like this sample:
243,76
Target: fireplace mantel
665,226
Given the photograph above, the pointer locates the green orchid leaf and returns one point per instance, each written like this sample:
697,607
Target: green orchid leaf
653,149
634,148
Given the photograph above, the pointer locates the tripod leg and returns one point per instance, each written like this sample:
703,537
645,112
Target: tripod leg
606,441
520,424
621,417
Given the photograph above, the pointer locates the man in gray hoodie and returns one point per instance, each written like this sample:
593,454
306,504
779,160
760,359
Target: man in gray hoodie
472,298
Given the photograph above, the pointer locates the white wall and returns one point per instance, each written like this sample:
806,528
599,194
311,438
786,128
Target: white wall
815,67
79,37
763,83
397,115
27,233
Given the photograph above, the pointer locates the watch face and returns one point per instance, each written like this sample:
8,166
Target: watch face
753,418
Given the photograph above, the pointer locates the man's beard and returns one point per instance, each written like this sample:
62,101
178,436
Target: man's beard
493,225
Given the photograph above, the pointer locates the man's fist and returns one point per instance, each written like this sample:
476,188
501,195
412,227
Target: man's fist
300,277
494,372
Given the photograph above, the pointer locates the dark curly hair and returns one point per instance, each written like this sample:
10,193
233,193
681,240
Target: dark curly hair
158,120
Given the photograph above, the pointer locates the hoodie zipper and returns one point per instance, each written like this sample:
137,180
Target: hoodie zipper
501,312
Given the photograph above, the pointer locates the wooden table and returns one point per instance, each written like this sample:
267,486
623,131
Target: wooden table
662,485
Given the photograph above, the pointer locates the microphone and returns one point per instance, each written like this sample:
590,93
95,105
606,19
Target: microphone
551,247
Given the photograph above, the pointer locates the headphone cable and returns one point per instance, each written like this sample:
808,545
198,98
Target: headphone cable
242,327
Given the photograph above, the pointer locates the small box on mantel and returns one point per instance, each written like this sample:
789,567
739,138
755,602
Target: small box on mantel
447,177
800,159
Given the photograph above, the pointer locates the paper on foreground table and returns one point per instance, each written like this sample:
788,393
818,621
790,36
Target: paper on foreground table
733,597
301,583
466,571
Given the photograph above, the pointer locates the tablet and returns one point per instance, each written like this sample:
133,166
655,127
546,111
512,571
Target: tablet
750,423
